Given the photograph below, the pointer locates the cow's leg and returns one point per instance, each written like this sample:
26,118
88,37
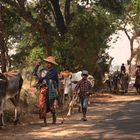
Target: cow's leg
1,114
1,119
70,108
71,105
65,100
126,87
15,101
69,111
62,98
139,90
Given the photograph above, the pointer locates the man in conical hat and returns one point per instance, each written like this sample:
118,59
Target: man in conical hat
48,81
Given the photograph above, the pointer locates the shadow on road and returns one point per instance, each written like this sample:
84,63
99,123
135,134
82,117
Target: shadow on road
106,120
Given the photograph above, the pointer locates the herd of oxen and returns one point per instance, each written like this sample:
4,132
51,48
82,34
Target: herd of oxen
11,85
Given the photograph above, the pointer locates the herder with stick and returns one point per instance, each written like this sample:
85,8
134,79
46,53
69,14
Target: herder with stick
48,83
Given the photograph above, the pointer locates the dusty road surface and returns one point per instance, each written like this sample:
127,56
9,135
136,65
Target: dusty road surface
109,117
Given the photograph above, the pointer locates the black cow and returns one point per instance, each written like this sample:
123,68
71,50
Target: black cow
10,87
124,81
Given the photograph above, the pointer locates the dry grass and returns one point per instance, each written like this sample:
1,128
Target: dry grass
28,104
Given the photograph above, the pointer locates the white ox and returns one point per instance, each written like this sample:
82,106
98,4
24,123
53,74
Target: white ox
69,83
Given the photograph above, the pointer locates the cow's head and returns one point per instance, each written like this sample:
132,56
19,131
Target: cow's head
91,80
68,84
65,78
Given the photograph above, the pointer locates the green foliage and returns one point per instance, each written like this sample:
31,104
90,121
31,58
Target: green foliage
36,54
86,40
81,47
136,5
114,6
27,51
11,22
29,46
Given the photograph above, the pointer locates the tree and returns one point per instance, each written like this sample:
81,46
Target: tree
22,8
69,27
84,45
2,41
130,18
8,21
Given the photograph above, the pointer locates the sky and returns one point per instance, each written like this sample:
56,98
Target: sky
120,50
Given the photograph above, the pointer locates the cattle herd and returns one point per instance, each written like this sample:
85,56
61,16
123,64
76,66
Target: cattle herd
117,82
11,84
68,82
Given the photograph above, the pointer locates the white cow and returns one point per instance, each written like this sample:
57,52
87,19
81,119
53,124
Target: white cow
69,85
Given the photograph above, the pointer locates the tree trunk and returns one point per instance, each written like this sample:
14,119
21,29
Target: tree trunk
37,27
131,51
59,17
44,38
110,61
2,57
2,43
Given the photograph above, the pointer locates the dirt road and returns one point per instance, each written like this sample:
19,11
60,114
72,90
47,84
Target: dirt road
109,117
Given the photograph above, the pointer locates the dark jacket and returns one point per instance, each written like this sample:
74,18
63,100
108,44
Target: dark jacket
123,68
51,74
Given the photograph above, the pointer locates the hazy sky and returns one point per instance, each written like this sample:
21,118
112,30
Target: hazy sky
120,50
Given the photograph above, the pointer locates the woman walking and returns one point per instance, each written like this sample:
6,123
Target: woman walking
48,83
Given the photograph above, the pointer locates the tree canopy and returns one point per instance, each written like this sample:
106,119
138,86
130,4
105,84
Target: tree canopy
76,32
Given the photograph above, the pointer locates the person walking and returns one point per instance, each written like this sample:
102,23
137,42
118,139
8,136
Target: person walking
137,75
85,89
48,83
123,69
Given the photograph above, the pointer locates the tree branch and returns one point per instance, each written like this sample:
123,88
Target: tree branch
59,17
36,24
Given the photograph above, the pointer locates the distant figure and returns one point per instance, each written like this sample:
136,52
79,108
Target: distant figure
123,69
137,80
137,73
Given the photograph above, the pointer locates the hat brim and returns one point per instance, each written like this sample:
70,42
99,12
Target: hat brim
53,62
